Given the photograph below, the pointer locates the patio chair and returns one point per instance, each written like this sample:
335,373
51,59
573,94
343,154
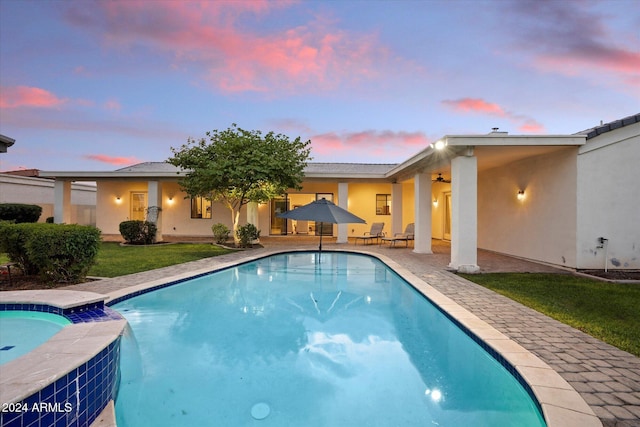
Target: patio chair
408,234
375,233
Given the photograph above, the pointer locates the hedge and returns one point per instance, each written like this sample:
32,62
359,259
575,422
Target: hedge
138,232
56,252
19,213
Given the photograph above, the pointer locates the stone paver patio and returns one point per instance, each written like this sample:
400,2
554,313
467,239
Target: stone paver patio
607,378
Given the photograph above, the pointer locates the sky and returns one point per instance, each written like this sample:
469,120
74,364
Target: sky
101,85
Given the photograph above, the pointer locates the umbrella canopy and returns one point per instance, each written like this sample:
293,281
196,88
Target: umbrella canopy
322,211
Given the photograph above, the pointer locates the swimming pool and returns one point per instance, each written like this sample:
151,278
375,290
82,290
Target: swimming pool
22,331
288,341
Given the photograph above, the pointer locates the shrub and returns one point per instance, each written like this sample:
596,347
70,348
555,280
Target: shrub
247,234
220,232
63,253
138,232
49,220
19,212
13,241
57,252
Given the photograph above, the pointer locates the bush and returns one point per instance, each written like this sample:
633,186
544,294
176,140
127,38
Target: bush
63,253
57,252
138,232
13,241
220,232
19,212
247,234
49,220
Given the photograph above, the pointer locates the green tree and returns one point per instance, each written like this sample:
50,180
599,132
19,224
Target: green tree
237,166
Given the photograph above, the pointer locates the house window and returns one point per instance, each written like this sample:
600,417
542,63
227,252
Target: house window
200,207
383,204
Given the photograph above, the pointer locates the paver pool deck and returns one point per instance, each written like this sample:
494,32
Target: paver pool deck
607,378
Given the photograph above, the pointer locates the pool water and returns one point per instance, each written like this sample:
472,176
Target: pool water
23,331
289,341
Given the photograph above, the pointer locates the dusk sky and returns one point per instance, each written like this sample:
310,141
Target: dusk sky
100,85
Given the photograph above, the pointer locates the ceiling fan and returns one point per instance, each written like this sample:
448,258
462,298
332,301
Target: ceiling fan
440,178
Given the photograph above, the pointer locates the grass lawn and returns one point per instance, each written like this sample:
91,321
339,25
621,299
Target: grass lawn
607,311
115,260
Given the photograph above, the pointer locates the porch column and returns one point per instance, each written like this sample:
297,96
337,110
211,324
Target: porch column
253,217
422,189
396,209
464,214
343,202
154,206
62,202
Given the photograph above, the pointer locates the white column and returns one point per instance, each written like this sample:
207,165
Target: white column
396,209
62,202
343,202
422,189
464,214
253,217
154,200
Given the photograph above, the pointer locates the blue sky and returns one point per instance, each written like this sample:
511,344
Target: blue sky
105,84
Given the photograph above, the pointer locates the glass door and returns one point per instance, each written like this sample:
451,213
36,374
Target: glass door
447,216
279,225
327,228
138,206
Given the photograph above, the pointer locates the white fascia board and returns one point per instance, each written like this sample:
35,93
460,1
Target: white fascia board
514,140
92,176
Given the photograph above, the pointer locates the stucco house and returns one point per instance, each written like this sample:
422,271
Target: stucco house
567,200
26,186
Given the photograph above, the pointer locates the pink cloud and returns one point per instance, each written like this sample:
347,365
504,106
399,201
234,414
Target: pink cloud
379,146
315,55
476,105
576,41
113,105
27,96
112,160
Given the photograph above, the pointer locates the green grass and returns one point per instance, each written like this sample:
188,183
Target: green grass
115,260
607,311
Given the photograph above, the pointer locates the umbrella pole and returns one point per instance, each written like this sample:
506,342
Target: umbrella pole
320,248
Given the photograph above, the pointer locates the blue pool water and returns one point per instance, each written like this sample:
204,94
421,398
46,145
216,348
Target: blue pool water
287,341
23,331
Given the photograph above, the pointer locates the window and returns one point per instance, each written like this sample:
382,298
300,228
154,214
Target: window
383,204
200,207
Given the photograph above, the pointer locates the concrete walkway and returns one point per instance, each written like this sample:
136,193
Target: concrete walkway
607,378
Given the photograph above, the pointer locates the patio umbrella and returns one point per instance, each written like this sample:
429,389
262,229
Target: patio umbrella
322,211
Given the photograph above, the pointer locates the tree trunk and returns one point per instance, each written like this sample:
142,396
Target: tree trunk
235,217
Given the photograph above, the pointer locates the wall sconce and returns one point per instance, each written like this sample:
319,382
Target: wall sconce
118,200
170,200
435,202
520,195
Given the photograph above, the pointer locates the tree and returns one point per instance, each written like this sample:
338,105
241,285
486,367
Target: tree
236,166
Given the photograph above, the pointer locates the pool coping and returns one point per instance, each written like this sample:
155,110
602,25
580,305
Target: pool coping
562,405
67,350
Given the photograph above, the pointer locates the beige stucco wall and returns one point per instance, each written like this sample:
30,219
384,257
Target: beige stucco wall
175,214
541,227
609,200
39,191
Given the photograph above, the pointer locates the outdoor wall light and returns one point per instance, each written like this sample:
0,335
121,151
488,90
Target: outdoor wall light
170,199
118,199
435,202
520,195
